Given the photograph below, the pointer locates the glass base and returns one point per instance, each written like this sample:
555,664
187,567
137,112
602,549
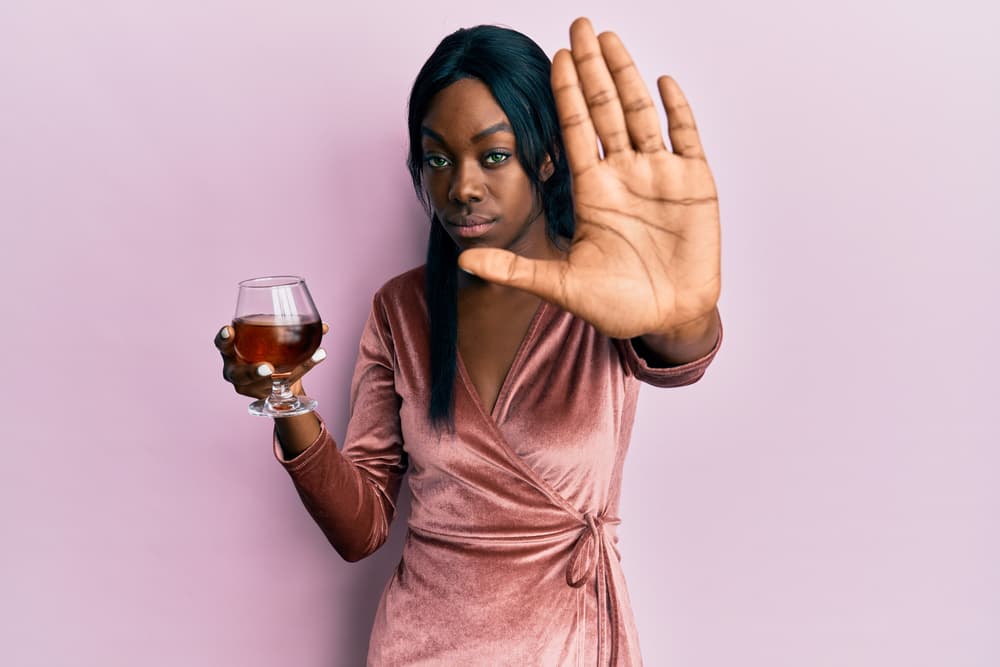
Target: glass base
299,406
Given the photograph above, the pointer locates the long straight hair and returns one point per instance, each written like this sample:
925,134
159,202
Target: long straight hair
517,72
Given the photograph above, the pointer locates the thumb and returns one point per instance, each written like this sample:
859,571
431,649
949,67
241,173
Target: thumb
546,278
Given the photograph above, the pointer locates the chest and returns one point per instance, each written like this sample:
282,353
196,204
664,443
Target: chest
551,413
490,334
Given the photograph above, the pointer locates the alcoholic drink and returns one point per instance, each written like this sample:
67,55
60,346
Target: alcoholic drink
284,341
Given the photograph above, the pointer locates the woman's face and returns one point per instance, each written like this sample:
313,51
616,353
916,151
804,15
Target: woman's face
477,186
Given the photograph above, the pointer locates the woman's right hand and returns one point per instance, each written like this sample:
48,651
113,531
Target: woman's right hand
254,380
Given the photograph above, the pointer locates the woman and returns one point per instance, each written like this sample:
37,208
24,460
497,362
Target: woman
503,376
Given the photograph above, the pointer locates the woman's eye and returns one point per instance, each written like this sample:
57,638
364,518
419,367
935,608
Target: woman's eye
496,157
436,161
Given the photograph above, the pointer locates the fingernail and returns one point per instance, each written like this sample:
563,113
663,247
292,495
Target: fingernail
264,370
224,333
319,355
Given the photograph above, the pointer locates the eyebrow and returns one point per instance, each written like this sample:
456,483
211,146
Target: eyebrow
502,126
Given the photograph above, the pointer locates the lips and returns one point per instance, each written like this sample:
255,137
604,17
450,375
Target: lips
471,226
470,221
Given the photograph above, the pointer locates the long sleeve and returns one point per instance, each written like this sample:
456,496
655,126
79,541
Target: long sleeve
352,494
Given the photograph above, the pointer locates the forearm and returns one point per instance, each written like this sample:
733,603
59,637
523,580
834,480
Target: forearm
347,507
685,344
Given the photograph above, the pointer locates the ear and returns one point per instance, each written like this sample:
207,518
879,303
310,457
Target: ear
547,169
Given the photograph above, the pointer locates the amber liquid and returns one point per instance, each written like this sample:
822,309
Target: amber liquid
284,342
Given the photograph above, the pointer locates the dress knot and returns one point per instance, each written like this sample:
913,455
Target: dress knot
588,550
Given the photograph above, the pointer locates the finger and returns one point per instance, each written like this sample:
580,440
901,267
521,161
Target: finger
598,87
224,339
574,117
241,374
317,356
641,116
326,328
547,279
681,127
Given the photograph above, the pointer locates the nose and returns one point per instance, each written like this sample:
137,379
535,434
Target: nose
467,184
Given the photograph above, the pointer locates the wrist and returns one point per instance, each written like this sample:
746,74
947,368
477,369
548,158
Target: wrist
684,343
692,331
296,434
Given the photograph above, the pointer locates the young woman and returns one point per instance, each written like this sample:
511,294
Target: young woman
572,256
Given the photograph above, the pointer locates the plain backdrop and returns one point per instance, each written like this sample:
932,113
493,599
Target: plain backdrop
826,496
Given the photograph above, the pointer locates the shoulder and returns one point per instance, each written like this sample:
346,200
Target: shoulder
406,289
401,298
406,285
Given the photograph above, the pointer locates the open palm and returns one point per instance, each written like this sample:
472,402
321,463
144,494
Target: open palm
644,258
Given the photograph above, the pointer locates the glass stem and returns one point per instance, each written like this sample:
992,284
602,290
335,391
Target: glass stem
281,397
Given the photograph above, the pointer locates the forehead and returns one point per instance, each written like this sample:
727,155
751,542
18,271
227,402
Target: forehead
462,110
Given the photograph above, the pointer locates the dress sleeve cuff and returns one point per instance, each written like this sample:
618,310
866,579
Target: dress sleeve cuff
312,453
670,376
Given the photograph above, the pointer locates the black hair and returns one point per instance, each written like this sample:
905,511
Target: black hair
517,72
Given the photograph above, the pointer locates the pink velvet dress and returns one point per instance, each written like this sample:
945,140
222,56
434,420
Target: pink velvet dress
510,556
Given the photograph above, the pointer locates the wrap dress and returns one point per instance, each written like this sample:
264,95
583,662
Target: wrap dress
510,556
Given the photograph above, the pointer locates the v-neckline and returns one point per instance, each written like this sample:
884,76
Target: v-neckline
490,417
522,350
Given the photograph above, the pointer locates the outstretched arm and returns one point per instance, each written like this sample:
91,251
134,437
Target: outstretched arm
645,256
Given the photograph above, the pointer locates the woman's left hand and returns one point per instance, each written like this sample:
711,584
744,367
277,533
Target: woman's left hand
645,254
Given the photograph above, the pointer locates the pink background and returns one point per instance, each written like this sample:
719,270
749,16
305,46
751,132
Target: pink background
826,496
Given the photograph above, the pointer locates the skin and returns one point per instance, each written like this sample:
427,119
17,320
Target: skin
644,262
645,258
471,169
